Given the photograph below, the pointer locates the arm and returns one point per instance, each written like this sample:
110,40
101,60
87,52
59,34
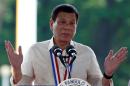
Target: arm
16,75
111,63
106,82
15,60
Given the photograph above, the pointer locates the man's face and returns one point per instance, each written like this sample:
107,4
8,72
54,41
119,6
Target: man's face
64,27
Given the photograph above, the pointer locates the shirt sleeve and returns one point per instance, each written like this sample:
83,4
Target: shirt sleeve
94,73
11,81
27,67
26,80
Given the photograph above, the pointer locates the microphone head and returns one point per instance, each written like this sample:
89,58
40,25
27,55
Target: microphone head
70,50
57,50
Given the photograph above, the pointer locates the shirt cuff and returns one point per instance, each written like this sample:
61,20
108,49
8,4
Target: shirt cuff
12,81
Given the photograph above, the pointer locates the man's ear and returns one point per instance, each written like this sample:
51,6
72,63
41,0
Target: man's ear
51,24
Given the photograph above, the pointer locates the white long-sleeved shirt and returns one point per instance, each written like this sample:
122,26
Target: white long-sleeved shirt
37,66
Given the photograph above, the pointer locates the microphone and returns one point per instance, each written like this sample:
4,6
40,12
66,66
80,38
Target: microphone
57,51
70,50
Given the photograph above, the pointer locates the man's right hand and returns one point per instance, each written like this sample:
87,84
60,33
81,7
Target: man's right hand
15,59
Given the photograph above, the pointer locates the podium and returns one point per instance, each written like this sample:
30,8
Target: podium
74,82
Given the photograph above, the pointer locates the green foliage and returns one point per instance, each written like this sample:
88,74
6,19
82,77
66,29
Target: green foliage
7,27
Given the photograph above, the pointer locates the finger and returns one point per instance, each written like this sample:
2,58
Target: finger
123,56
110,55
122,52
7,46
20,50
11,48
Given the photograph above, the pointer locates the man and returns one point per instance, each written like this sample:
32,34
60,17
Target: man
38,64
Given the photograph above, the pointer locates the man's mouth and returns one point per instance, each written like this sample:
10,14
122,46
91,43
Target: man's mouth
65,34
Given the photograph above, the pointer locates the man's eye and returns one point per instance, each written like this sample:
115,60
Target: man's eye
72,23
62,22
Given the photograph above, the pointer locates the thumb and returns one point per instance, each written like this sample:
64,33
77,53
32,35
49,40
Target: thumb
20,50
110,54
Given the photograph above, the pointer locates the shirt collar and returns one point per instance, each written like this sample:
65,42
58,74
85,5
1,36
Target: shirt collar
51,44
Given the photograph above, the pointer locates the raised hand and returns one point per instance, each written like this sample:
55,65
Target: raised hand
15,58
112,61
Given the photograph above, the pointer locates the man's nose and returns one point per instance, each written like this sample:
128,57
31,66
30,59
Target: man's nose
67,26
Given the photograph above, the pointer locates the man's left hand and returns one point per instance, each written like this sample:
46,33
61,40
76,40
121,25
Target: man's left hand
112,61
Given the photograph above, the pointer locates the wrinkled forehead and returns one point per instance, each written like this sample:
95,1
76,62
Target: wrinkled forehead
66,15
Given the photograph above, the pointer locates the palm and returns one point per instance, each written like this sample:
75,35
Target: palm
113,61
15,59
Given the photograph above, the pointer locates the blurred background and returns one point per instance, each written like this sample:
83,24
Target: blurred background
103,25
